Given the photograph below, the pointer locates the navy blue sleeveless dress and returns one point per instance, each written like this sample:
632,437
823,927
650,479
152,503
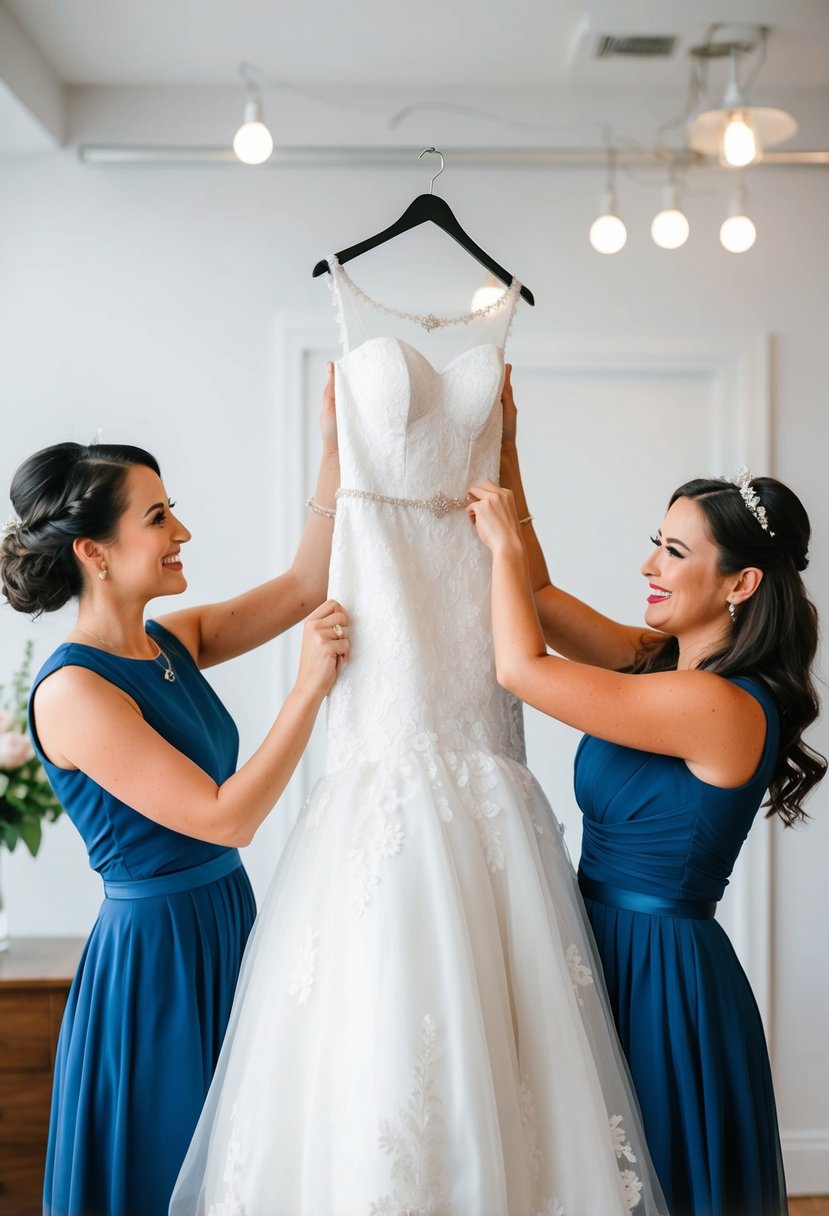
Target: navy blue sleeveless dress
149,1005
658,848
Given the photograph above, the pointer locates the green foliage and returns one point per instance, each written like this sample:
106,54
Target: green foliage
26,799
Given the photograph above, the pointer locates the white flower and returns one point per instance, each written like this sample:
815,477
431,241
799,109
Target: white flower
632,1186
580,974
618,1135
15,749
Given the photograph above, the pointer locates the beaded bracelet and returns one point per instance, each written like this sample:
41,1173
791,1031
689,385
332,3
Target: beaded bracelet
318,510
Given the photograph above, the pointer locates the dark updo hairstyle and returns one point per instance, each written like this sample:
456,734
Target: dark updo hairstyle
61,494
775,631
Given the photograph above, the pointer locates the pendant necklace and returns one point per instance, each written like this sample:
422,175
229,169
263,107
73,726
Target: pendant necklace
169,674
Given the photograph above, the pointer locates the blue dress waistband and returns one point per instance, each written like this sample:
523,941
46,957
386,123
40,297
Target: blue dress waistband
180,880
651,905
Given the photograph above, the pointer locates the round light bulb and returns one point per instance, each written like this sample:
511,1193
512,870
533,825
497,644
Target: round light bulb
490,292
737,233
253,142
670,228
607,233
740,143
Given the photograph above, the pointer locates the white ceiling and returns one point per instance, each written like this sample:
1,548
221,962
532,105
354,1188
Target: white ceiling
497,45
545,43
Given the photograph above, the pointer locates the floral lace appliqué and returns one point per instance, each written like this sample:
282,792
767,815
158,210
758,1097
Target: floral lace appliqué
302,979
529,1126
580,973
378,834
552,1208
412,1141
230,1204
535,1157
475,776
631,1182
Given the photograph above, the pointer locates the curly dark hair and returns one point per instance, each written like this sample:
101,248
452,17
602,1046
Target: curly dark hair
775,633
61,494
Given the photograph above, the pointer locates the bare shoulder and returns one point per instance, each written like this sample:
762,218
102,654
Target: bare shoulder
734,734
186,627
708,688
68,695
71,684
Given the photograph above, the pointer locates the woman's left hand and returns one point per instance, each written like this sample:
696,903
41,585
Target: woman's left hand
328,416
494,515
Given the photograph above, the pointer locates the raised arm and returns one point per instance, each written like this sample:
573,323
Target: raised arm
715,726
570,627
216,632
86,723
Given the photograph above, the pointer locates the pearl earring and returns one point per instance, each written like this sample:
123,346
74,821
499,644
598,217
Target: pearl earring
732,612
103,573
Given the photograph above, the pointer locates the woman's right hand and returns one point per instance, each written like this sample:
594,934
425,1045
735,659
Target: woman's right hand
324,645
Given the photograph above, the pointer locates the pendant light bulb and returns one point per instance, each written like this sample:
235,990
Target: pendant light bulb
740,141
253,142
739,130
737,232
607,233
490,292
670,227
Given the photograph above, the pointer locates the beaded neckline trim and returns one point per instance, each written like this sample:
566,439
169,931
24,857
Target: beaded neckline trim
428,320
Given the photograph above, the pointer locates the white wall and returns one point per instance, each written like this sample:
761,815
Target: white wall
143,301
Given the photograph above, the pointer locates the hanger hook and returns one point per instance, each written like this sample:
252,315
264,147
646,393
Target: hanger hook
440,170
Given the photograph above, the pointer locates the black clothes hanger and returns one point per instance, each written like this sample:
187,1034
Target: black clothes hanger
428,207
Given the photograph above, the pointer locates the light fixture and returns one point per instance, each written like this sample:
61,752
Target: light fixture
670,226
737,232
607,232
253,142
738,131
490,292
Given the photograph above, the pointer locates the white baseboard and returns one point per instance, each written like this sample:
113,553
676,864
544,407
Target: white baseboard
806,1158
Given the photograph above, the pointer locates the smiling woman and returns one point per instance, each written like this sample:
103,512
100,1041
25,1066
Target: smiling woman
142,754
688,721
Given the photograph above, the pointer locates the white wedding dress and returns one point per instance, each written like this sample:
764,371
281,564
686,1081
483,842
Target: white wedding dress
420,1027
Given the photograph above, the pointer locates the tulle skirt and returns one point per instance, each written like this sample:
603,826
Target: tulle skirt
420,1025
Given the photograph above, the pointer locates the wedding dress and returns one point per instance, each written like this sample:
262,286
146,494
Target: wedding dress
420,1027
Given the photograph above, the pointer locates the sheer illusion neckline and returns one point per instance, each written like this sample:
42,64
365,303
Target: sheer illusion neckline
428,321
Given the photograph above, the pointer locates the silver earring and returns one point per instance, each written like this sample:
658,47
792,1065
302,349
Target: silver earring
103,573
732,612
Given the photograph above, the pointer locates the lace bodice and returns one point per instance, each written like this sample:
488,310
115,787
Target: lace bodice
416,582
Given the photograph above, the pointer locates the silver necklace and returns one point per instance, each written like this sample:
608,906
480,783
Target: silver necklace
169,674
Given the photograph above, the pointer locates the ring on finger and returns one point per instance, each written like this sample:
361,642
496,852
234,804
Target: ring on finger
337,630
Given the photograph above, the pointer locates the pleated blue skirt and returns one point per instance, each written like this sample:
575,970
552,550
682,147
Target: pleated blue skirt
694,1040
140,1038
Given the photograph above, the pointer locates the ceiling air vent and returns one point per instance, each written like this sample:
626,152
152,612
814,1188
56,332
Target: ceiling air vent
638,46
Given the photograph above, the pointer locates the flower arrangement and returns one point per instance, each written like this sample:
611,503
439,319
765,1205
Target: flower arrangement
26,798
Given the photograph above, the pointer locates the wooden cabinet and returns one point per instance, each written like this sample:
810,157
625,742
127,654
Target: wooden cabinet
35,974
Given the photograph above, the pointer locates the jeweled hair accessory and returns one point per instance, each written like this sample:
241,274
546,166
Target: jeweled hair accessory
742,480
12,526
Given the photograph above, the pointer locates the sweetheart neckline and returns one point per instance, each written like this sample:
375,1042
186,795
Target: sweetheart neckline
419,353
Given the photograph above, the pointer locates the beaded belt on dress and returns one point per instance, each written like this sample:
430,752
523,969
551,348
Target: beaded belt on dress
651,905
180,880
439,504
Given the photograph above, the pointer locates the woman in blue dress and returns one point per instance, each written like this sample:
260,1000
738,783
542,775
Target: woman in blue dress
142,754
688,723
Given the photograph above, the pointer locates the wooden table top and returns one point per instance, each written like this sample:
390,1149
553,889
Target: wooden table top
46,961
